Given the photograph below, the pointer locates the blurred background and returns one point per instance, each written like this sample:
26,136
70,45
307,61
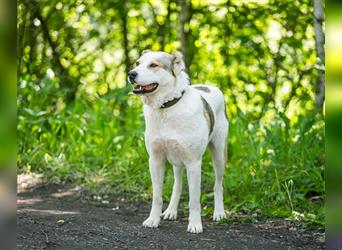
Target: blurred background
7,124
333,144
78,121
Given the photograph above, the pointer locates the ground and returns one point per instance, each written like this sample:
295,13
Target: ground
54,216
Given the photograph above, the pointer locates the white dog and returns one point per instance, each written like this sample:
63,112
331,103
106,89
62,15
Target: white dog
181,120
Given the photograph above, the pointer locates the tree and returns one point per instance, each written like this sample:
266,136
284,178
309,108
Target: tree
251,50
318,25
184,18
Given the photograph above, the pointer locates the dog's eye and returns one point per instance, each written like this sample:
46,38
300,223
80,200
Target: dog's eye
137,63
153,65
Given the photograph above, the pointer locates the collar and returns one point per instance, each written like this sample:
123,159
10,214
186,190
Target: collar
172,102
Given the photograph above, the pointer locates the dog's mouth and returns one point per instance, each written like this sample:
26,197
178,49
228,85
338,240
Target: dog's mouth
142,89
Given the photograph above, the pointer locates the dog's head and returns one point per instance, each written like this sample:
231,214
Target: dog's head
154,71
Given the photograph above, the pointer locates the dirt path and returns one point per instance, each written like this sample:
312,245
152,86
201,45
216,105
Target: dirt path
56,217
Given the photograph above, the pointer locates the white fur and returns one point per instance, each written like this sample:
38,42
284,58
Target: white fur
180,134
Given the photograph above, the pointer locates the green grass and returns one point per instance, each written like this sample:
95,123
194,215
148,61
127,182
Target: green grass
274,168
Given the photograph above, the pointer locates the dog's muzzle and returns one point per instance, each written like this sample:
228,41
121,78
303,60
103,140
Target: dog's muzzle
143,89
140,89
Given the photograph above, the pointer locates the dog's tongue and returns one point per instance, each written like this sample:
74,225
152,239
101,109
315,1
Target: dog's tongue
147,87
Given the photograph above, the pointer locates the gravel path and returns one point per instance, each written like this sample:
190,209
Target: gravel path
57,217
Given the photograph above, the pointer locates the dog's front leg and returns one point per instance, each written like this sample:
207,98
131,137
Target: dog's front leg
157,169
194,180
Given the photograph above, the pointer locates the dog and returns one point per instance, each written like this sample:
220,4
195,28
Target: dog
181,121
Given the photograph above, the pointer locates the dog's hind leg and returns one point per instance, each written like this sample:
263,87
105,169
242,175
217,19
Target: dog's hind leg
171,212
218,148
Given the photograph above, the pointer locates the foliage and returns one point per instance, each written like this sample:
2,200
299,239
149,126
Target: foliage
78,121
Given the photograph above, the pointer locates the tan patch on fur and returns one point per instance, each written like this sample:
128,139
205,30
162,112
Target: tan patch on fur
225,145
165,62
203,88
209,115
157,146
225,111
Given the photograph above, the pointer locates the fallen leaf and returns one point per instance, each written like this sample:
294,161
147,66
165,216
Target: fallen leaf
60,222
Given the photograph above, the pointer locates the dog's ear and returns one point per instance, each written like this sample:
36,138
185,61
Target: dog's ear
177,63
145,51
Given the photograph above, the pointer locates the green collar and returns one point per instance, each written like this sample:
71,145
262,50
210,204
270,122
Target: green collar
172,102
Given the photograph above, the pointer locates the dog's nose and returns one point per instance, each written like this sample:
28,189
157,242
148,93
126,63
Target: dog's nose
132,75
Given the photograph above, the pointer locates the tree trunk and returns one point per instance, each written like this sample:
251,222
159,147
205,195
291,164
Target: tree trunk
123,16
319,36
184,16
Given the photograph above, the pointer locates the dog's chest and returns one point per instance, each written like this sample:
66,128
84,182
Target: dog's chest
171,139
179,135
172,148
176,145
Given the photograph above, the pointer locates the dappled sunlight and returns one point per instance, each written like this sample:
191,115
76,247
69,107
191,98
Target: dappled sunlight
45,211
26,181
35,205
65,193
275,32
29,201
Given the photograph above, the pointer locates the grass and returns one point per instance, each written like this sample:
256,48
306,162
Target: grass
275,168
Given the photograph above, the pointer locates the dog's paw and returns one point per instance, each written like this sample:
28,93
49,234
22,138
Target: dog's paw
151,222
170,214
219,216
195,228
